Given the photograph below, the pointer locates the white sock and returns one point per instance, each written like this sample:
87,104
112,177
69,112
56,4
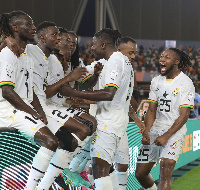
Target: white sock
154,187
81,146
122,178
80,155
59,161
114,180
91,179
103,183
39,166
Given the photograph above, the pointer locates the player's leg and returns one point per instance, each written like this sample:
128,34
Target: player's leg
61,158
147,157
35,130
102,152
143,175
166,169
79,124
121,162
169,155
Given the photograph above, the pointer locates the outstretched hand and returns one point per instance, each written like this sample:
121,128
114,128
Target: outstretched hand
77,74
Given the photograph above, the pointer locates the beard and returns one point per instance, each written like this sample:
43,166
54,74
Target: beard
168,71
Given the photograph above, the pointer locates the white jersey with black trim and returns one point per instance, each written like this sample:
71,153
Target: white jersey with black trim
171,95
40,74
112,116
56,73
17,72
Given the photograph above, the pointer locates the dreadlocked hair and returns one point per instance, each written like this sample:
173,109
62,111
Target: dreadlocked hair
185,60
76,54
6,22
43,25
109,36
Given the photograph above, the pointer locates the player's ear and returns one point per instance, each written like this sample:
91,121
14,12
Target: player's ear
177,62
15,28
42,38
103,45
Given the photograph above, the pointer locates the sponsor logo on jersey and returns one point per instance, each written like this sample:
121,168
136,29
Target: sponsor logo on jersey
175,92
174,145
171,153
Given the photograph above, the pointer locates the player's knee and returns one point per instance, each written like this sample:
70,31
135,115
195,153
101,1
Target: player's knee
167,166
65,137
52,142
94,122
139,174
88,126
121,167
85,131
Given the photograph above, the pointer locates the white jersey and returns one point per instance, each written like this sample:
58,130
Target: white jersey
17,72
56,73
170,96
112,116
81,64
40,74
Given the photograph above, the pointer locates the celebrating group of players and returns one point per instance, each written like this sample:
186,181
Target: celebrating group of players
36,79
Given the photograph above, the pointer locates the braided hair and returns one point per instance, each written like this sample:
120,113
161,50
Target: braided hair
76,54
185,60
6,22
109,36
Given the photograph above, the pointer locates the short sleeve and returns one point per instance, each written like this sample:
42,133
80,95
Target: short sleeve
113,73
7,64
90,72
152,94
187,94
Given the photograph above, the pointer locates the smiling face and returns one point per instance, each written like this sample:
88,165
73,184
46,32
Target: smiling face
129,49
98,49
168,62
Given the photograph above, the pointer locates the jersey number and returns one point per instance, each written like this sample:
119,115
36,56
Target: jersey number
165,105
143,154
59,114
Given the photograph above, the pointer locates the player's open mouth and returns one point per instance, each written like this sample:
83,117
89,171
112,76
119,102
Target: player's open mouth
162,67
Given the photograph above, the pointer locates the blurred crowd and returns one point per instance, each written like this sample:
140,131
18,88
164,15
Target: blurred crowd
148,60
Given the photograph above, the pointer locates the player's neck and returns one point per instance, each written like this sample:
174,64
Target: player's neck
172,75
110,52
21,43
45,50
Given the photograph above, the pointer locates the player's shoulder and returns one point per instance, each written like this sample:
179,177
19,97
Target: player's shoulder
33,49
6,53
53,58
116,55
157,79
117,59
184,77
